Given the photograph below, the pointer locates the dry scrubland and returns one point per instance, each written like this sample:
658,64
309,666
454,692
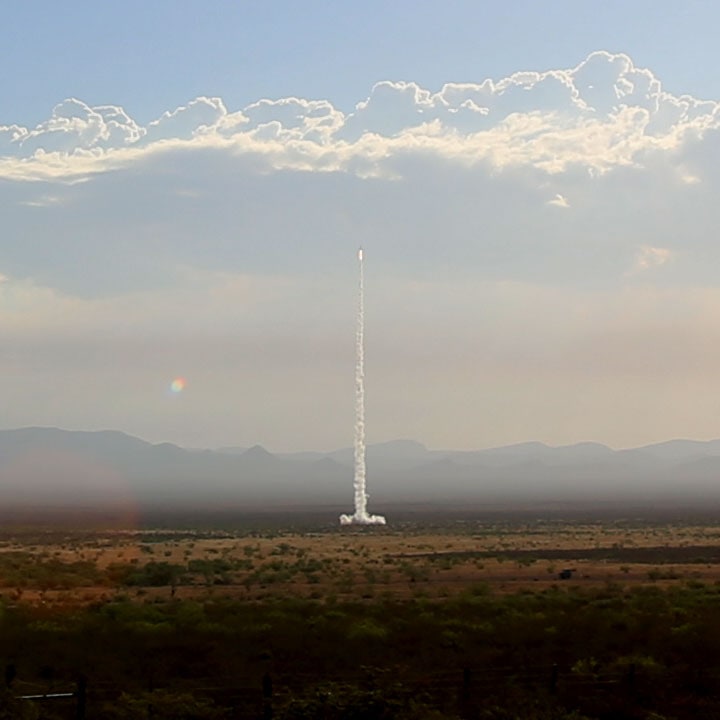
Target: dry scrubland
439,618
54,567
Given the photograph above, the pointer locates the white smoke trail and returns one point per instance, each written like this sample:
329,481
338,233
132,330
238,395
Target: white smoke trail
360,516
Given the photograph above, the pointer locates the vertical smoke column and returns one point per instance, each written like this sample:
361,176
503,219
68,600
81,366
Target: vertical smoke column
360,516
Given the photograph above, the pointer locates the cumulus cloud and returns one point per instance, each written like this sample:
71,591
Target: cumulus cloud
602,113
185,122
315,121
74,126
650,257
559,201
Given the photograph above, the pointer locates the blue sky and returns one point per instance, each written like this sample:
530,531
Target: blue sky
184,187
151,56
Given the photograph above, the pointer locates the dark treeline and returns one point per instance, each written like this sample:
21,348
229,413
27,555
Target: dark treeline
563,653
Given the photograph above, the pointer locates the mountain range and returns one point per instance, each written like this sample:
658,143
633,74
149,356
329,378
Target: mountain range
57,467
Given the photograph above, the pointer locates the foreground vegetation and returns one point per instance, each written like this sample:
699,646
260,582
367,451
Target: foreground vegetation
460,622
610,653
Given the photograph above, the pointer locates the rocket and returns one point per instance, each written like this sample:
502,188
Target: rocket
360,253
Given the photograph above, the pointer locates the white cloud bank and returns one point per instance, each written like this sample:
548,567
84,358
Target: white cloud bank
602,113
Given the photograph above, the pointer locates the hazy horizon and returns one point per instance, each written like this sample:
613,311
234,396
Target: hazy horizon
55,468
348,445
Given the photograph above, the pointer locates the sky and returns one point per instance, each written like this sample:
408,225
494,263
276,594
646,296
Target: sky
184,187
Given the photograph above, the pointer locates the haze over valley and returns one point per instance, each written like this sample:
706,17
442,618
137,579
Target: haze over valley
53,467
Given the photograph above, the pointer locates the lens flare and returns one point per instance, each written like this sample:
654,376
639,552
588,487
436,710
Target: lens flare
178,384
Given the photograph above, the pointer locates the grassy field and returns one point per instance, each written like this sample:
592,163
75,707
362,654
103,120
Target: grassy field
432,559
